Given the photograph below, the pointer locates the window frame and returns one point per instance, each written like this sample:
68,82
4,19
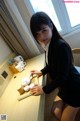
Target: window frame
62,15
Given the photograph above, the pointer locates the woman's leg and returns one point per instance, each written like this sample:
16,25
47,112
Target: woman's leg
57,108
69,113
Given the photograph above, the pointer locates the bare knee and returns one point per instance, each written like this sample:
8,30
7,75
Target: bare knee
57,108
57,113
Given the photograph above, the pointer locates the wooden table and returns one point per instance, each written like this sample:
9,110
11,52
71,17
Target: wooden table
30,108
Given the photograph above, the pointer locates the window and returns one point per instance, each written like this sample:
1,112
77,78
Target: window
47,7
64,13
73,10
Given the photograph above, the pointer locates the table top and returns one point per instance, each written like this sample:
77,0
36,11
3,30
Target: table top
30,108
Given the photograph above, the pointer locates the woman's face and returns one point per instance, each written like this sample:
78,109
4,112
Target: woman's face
44,35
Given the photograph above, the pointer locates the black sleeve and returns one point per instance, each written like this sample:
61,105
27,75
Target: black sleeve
63,59
45,70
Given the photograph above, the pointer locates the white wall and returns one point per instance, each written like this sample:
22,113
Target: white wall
5,51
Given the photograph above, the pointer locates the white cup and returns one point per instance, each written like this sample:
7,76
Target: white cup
25,81
31,85
26,88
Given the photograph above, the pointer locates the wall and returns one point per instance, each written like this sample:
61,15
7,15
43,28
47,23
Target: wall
73,39
5,55
4,50
5,74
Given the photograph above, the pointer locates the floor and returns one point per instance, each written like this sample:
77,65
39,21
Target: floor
48,105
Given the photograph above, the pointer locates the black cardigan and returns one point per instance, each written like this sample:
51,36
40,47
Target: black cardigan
62,71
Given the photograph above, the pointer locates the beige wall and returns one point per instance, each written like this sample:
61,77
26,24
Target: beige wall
73,39
4,50
5,54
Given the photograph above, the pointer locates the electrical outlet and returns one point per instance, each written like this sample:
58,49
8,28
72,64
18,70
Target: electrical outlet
4,74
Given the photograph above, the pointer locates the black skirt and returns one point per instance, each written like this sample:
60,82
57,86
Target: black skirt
70,96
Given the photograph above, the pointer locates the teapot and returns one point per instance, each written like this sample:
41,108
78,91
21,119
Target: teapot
18,58
20,66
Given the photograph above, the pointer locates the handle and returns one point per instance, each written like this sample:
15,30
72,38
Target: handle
34,76
24,96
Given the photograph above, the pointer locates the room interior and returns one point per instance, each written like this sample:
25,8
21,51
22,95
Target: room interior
16,39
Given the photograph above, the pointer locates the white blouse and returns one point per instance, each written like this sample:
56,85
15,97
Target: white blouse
46,48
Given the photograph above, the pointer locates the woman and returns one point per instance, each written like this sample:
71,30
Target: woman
59,66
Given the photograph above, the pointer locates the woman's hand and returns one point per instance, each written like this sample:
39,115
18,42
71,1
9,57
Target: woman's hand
38,73
37,90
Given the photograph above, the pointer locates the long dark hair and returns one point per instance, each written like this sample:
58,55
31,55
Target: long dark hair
39,19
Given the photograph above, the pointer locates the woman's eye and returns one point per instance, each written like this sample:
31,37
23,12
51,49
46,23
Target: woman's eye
45,30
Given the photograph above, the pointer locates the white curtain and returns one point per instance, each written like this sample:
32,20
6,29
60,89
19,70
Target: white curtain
15,30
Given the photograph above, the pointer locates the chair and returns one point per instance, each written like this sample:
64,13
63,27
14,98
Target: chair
76,51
